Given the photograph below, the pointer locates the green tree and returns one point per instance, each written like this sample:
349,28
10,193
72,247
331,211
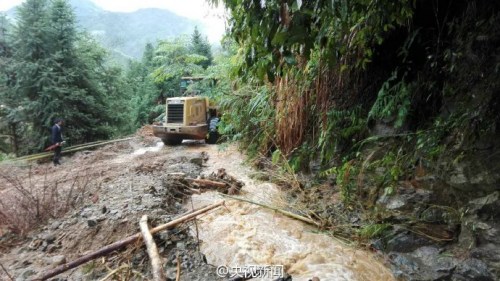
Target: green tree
79,93
144,91
31,54
9,117
200,46
174,59
63,73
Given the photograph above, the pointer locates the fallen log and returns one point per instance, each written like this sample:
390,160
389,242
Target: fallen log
207,183
152,250
119,244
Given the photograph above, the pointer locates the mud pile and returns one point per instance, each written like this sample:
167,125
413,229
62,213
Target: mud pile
124,187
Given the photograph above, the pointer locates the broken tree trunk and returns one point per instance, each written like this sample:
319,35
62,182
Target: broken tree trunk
208,183
119,244
152,250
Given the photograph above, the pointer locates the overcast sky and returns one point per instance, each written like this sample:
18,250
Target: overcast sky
194,9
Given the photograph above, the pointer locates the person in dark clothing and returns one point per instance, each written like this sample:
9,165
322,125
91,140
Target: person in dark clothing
58,140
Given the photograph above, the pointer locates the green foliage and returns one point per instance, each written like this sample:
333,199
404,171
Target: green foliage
344,175
58,73
272,33
300,157
248,112
174,60
374,230
200,46
393,101
341,129
391,168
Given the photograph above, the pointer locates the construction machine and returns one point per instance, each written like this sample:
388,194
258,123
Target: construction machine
188,117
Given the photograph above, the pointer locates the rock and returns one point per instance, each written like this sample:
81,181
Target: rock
171,273
474,174
85,213
44,246
486,207
55,260
197,161
473,270
406,199
23,250
480,237
432,258
181,245
51,248
70,222
489,253
467,238
92,222
55,225
49,238
25,275
405,242
25,263
425,263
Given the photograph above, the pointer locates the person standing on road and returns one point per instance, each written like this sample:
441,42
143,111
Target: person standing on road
57,140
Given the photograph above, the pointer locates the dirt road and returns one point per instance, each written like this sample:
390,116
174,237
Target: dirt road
123,181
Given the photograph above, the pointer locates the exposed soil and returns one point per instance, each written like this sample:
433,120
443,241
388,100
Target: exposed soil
123,183
105,192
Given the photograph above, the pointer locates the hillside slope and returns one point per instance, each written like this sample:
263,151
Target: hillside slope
126,34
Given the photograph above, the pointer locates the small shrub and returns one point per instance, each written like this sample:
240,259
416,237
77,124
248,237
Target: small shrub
25,205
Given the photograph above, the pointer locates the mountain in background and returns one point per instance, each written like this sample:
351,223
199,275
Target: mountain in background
126,34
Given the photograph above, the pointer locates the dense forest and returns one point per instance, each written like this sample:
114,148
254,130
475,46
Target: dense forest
393,108
384,113
50,69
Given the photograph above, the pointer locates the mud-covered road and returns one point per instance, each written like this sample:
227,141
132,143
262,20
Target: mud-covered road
112,187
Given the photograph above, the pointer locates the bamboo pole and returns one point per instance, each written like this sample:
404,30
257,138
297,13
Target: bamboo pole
286,213
158,274
68,150
119,244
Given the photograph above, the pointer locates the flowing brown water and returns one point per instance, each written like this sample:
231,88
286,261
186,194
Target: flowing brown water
244,234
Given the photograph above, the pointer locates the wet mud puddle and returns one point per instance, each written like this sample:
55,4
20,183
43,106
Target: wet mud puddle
243,235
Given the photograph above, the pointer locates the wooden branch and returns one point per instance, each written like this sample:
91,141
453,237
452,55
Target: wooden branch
178,275
6,272
152,250
119,244
208,183
194,190
286,213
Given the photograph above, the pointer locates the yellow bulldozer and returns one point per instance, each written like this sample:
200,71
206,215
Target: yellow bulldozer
188,117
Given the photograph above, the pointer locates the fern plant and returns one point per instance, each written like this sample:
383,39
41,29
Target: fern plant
342,127
393,101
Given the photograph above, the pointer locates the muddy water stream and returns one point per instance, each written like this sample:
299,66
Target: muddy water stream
245,234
